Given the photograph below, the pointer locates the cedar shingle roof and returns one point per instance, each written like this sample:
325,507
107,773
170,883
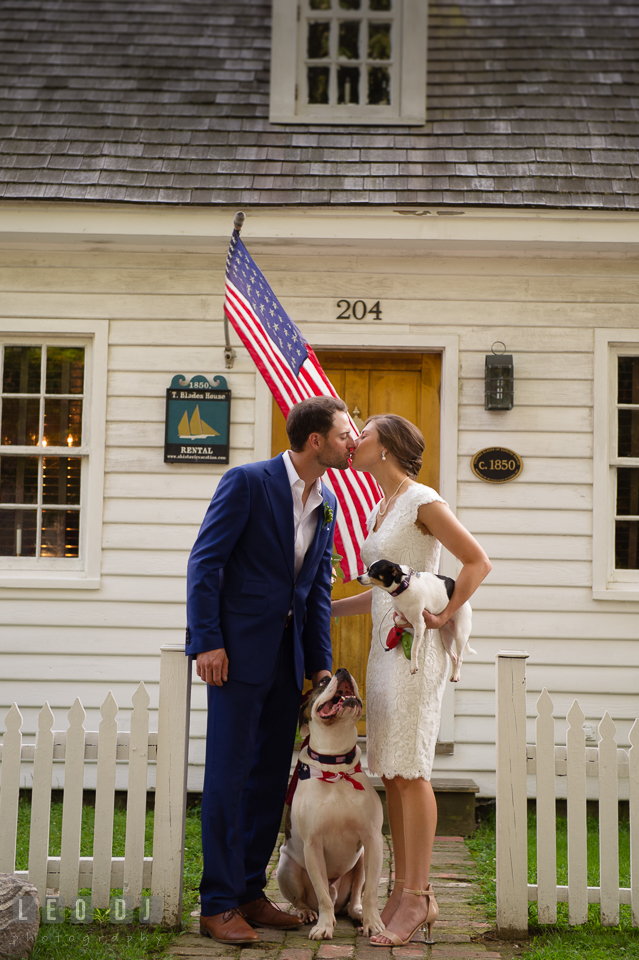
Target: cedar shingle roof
166,101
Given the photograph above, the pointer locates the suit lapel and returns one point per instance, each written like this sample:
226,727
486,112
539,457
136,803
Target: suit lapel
278,491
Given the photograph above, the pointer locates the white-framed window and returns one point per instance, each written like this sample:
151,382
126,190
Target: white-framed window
52,438
350,61
616,466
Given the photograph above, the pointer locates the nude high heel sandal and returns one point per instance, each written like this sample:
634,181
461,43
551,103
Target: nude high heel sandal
426,924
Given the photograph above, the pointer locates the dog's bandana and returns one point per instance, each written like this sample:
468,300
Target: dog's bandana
307,772
304,772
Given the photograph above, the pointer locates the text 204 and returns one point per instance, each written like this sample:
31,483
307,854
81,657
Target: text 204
358,310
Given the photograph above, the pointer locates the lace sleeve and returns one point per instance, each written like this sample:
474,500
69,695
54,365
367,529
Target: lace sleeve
423,494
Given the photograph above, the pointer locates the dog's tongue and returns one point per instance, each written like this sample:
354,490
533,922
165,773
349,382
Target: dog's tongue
328,709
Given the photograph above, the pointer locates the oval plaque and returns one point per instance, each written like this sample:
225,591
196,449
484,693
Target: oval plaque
496,464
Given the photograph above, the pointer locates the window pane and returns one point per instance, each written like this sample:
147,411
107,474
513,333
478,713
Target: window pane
628,492
318,39
379,85
18,479
18,533
21,373
318,84
626,545
628,443
60,533
62,423
20,422
628,380
349,4
379,42
61,480
65,370
320,4
348,85
380,4
348,46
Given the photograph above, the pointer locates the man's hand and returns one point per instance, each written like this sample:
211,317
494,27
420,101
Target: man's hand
213,666
319,675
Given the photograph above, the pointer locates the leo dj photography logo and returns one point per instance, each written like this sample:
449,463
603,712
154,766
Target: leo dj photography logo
80,910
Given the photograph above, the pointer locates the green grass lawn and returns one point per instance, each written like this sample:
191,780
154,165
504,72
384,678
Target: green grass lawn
102,939
562,942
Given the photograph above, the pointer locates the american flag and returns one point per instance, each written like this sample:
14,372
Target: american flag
293,373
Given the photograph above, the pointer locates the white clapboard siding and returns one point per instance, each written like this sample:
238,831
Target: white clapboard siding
543,470
526,443
165,310
143,383
564,393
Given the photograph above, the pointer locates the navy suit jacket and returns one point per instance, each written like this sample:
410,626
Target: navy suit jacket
241,581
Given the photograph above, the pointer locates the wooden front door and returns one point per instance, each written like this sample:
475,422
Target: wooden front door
369,383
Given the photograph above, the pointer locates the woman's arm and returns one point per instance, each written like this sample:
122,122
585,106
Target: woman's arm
350,606
443,524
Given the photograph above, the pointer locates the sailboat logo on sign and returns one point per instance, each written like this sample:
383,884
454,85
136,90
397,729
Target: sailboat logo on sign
195,428
197,421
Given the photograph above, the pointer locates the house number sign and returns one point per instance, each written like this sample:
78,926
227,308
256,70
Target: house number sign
496,465
198,415
358,310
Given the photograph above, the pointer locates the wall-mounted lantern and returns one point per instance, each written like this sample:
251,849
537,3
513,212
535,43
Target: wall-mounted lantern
499,380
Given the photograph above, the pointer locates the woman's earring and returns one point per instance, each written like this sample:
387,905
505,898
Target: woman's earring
383,454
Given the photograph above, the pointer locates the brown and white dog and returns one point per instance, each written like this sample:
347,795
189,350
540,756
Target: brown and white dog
414,592
332,857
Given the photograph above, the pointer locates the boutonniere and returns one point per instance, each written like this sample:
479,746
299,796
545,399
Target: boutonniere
328,514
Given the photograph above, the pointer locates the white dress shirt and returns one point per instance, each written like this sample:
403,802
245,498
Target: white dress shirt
305,516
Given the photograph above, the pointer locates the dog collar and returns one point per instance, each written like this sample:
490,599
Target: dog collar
403,586
328,759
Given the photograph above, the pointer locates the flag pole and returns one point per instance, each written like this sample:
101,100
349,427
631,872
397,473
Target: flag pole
229,352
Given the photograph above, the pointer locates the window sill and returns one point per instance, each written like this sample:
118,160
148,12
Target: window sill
337,120
47,581
618,591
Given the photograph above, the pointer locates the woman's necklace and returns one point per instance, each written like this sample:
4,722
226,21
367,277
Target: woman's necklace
381,512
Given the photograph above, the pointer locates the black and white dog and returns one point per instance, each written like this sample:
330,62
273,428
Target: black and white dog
414,592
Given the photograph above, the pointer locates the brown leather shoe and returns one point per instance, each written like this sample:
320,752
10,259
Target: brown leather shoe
265,913
227,927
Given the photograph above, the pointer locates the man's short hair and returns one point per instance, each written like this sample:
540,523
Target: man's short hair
314,415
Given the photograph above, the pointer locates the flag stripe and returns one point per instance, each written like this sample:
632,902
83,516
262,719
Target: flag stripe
293,373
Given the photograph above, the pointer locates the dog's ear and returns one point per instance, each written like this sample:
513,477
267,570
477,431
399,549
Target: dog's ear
304,717
396,572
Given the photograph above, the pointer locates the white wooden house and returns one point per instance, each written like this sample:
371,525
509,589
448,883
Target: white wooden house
502,206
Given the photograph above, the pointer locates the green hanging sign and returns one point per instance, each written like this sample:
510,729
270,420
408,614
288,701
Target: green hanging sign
198,417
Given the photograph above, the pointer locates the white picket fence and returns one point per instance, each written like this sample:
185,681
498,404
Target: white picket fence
168,748
546,761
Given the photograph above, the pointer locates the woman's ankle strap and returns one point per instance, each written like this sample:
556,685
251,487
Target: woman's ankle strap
420,893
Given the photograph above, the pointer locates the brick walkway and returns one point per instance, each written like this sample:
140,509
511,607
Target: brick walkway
458,933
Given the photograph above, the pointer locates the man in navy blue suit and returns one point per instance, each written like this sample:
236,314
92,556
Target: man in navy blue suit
258,614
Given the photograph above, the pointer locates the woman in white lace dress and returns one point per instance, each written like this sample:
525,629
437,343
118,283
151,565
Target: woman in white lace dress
403,711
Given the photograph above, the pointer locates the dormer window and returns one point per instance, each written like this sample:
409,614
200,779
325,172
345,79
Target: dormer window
352,61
